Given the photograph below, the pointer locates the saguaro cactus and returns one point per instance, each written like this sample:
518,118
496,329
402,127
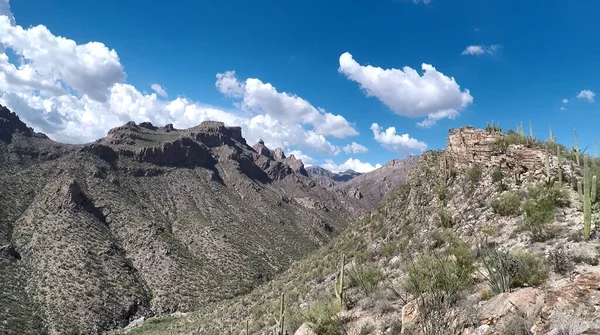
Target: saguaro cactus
558,166
552,139
576,147
530,130
589,196
339,292
280,323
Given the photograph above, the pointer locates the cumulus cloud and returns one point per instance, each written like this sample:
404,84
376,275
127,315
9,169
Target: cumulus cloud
159,90
263,98
401,144
354,148
478,50
5,10
277,134
423,1
350,164
90,69
565,100
76,92
587,95
406,92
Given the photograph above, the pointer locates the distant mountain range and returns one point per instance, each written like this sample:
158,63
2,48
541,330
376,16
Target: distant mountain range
327,178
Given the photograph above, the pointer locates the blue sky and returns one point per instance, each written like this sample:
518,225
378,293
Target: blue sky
528,57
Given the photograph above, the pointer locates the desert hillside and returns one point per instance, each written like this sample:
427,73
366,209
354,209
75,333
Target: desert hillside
146,221
496,234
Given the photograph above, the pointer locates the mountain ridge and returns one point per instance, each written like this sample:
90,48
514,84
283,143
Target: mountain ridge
164,219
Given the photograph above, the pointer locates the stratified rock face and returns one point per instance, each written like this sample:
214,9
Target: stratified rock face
181,152
468,146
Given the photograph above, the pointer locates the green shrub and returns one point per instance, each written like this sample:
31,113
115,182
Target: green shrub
540,209
496,175
531,270
365,278
445,218
474,174
323,318
506,204
506,270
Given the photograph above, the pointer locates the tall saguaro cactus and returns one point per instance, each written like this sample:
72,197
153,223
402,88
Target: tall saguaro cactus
558,166
576,147
339,292
589,196
552,138
280,323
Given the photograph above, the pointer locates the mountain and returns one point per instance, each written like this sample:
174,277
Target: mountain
326,178
487,236
373,186
148,221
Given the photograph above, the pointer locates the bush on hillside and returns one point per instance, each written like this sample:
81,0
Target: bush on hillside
474,174
540,209
506,270
506,204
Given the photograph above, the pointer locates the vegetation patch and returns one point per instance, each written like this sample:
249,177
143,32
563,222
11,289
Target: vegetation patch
506,204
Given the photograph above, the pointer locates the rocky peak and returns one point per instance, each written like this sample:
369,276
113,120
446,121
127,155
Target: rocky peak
262,149
278,154
295,165
10,123
215,133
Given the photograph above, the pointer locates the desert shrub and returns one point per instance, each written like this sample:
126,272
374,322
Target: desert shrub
560,260
540,209
435,281
323,318
506,204
474,174
517,324
435,275
444,218
531,270
365,278
442,193
496,174
506,270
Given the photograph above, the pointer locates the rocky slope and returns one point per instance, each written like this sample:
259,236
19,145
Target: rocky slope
326,178
486,237
148,220
372,187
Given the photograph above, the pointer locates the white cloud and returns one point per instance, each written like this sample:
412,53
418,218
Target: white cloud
477,50
423,1
350,164
76,92
276,134
587,95
5,10
57,62
306,160
407,93
401,144
564,101
354,148
264,98
159,90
